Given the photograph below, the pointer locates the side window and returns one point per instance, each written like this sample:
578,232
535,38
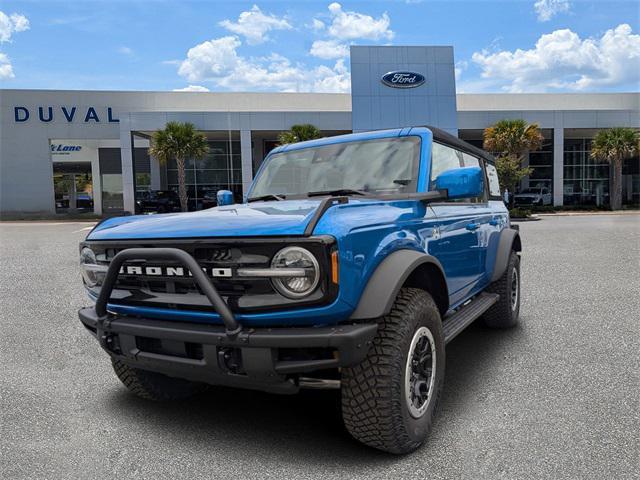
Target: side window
473,161
443,158
470,160
494,184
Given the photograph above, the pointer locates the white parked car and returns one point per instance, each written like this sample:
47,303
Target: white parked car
533,196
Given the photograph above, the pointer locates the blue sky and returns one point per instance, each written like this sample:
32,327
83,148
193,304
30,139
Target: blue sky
508,46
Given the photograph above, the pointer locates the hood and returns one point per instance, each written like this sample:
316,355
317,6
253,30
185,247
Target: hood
527,195
288,217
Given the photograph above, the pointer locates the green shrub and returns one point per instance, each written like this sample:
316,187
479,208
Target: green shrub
519,213
543,208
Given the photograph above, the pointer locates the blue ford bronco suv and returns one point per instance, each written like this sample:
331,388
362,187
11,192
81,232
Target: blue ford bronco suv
351,264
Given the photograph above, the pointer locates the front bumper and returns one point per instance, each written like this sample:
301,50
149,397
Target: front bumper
260,358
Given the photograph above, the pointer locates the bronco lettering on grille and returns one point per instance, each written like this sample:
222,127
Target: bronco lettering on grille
163,271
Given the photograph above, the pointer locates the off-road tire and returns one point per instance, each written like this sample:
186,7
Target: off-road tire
502,314
374,406
155,386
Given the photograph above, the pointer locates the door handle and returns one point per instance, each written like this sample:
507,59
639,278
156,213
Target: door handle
473,226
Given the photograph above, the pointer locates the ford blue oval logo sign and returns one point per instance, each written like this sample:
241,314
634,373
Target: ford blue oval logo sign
403,79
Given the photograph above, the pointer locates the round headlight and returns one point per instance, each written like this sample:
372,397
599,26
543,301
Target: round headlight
296,258
88,266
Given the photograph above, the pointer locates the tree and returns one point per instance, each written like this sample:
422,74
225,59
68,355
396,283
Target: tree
614,146
510,141
511,172
299,133
179,141
513,137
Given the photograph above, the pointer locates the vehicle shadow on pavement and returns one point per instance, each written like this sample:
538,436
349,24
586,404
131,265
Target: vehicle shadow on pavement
305,427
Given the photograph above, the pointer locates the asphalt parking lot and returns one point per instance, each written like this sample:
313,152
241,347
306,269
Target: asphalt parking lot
556,397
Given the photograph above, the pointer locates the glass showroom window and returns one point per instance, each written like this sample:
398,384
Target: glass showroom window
542,163
142,169
220,169
586,181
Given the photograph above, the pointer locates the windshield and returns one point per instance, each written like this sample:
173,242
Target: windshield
387,165
531,190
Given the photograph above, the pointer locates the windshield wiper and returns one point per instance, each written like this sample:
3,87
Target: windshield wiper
268,196
341,191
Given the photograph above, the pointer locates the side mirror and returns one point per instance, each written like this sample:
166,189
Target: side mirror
461,182
224,197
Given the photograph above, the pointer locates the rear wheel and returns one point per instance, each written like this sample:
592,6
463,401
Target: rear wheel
389,399
155,386
506,311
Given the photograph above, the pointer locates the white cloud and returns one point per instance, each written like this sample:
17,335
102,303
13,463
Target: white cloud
317,25
561,60
211,59
347,25
6,70
344,27
192,88
332,80
254,25
10,24
125,50
217,61
329,49
547,9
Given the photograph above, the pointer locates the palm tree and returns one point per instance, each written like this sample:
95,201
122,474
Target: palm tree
511,140
614,146
299,133
513,137
179,141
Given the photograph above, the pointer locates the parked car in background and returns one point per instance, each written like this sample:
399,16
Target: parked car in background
533,196
208,200
157,201
84,201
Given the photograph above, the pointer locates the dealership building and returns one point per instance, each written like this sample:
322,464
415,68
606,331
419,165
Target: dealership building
76,151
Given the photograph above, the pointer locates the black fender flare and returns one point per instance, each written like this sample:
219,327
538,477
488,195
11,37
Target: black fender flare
509,240
389,277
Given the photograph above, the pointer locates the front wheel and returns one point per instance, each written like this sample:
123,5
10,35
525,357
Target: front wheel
389,399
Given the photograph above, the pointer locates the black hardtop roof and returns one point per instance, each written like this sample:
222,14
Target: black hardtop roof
452,140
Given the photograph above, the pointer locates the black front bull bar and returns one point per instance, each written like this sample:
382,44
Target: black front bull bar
233,327
118,335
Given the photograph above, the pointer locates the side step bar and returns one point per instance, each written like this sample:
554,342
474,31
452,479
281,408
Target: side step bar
459,320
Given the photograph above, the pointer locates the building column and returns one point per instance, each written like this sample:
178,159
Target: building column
246,160
558,166
96,183
126,159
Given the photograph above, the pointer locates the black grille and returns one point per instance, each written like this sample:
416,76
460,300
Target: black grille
240,293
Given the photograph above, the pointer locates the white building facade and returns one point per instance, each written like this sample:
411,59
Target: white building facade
86,151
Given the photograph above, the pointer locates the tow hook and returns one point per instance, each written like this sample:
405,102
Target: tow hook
230,360
110,342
